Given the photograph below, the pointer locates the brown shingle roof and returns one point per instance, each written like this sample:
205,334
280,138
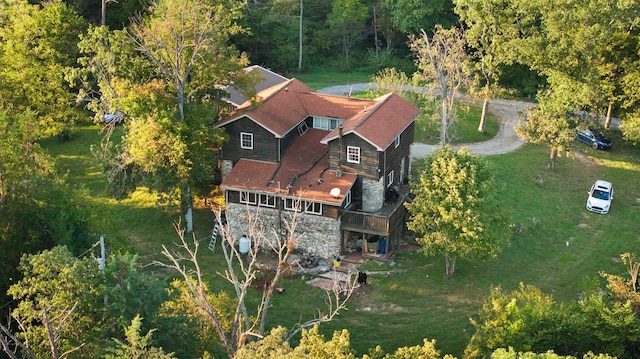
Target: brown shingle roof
285,105
303,173
381,123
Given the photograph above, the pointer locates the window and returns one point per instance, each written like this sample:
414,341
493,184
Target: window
353,154
246,140
313,207
397,141
326,123
248,198
291,204
302,129
267,200
390,179
347,199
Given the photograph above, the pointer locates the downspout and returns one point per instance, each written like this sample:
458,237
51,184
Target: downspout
339,170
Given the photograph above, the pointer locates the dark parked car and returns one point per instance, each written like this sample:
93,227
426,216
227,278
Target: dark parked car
593,138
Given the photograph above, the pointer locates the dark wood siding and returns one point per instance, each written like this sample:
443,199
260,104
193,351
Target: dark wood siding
265,145
392,157
369,157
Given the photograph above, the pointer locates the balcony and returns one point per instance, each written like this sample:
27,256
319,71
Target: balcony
365,223
380,222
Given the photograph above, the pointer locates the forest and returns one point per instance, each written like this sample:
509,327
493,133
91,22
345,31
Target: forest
67,178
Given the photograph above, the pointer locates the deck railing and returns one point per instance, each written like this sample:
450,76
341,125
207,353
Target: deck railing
365,222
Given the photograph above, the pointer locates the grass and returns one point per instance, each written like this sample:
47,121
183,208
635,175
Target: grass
412,299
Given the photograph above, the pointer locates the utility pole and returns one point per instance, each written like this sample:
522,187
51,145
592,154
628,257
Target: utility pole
102,261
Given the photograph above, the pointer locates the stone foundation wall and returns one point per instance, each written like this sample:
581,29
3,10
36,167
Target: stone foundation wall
372,194
315,234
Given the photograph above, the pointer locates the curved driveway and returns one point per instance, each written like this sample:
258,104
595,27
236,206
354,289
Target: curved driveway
506,140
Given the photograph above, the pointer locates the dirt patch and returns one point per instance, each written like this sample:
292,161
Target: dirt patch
585,160
583,225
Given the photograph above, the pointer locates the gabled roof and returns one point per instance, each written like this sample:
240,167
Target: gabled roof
380,124
284,106
279,108
301,174
270,79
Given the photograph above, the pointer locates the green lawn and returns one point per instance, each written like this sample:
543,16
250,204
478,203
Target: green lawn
412,299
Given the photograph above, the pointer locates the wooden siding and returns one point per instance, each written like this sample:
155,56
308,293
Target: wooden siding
369,162
265,145
392,157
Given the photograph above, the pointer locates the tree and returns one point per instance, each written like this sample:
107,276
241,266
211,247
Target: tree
410,16
455,212
38,209
588,47
71,291
187,41
488,36
548,124
524,320
239,324
37,49
440,61
347,21
136,346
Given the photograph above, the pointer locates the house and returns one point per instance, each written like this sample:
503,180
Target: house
342,163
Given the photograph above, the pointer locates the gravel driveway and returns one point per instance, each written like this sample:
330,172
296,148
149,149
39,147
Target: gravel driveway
506,140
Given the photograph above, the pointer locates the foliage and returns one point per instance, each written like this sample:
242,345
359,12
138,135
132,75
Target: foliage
548,126
347,23
455,212
489,38
409,16
38,210
136,346
37,49
517,320
55,281
440,62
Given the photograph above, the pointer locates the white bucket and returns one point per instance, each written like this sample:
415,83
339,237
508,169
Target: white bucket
244,245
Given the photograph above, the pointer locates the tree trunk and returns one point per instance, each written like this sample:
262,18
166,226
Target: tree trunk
552,158
450,263
186,205
444,129
607,121
300,39
483,117
103,21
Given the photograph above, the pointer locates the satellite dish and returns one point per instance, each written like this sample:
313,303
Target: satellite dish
335,192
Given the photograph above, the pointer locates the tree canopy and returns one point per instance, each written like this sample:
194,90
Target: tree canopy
455,212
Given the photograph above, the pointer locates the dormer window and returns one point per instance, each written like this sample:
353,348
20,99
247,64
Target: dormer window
302,129
353,154
326,123
246,140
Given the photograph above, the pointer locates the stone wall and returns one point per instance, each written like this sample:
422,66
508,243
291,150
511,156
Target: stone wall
315,234
372,194
225,168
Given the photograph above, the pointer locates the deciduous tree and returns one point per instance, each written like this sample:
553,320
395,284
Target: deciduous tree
245,322
37,49
488,33
548,124
455,212
441,60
